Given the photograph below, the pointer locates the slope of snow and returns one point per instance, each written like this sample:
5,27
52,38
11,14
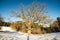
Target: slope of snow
22,36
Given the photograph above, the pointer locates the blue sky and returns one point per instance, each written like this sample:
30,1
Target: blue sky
7,5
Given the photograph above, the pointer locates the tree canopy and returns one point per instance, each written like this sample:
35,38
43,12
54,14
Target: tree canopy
36,12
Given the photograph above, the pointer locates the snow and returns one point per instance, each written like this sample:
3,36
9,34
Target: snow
6,28
6,35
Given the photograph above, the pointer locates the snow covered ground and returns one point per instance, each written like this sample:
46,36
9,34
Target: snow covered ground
21,36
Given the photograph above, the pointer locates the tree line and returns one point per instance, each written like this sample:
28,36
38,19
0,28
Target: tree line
2,22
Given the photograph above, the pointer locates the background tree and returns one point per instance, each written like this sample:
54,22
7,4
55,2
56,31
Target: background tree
58,20
1,20
55,26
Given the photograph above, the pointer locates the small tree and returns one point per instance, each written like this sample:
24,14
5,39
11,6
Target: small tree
58,20
1,18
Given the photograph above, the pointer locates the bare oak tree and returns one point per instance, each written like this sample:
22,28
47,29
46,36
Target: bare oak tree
35,13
